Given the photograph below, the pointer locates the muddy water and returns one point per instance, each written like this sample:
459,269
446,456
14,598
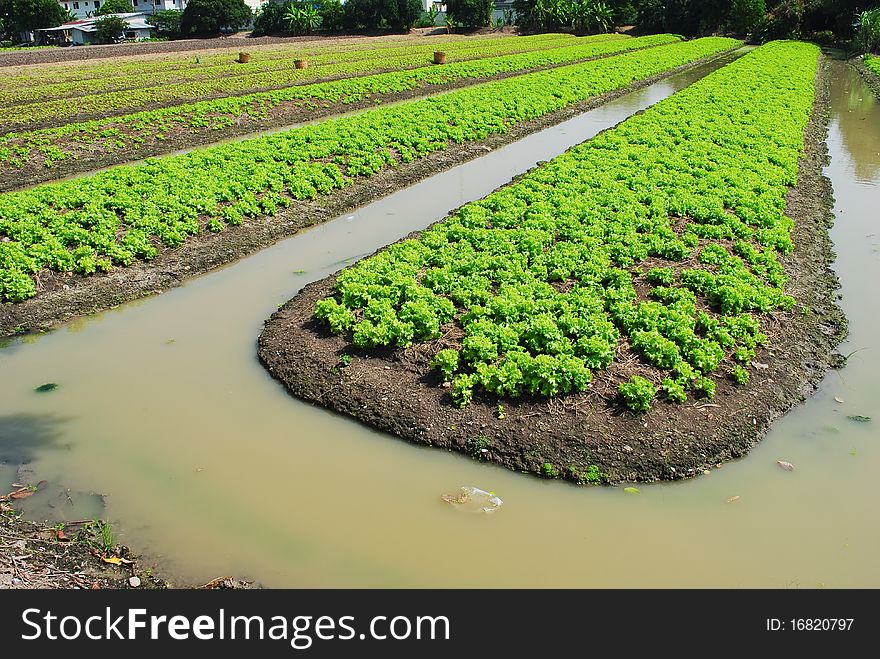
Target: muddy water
211,468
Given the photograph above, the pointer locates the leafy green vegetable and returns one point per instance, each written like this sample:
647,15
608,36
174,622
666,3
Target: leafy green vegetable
92,223
541,275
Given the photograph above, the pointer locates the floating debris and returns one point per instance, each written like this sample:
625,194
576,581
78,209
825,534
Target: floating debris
475,500
785,465
858,417
43,388
735,497
838,399
631,490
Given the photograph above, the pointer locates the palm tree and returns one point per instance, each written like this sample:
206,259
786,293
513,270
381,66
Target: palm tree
302,18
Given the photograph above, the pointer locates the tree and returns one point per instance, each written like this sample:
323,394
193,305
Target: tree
592,16
29,15
270,19
470,13
688,17
332,14
6,27
166,22
211,16
110,28
868,31
746,15
115,7
580,15
399,15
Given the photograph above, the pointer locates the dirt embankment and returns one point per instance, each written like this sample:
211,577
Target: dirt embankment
577,435
63,296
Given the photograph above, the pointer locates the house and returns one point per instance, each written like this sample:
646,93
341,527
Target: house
83,31
88,8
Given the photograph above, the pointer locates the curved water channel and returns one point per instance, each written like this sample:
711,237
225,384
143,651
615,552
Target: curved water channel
210,468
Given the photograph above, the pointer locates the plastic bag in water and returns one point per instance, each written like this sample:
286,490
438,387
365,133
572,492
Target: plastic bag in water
474,500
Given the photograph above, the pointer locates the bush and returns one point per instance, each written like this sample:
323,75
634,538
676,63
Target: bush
824,38
115,7
332,15
206,17
166,22
28,15
428,18
399,15
110,28
470,13
579,15
746,15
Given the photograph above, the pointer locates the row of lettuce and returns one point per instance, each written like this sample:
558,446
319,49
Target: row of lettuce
873,64
39,88
114,217
126,100
659,238
112,134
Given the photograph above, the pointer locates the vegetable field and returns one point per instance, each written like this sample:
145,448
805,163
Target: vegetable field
45,148
97,96
108,220
660,238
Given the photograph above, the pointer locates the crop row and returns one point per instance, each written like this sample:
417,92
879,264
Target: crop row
113,103
112,218
112,134
660,237
228,68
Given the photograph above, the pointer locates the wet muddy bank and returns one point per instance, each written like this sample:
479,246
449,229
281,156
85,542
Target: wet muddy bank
71,556
64,296
580,435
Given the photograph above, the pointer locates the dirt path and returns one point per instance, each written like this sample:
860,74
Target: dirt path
581,436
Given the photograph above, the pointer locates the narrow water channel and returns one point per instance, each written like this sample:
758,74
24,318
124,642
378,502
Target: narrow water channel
212,469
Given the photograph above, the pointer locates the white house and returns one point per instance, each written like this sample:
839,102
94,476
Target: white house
84,31
88,8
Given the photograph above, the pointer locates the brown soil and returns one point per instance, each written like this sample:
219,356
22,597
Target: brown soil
63,296
86,158
158,48
397,393
870,77
34,555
